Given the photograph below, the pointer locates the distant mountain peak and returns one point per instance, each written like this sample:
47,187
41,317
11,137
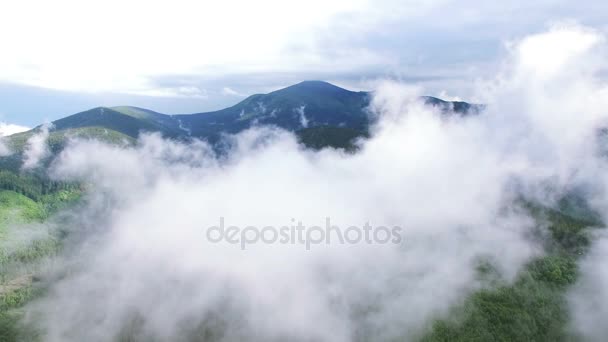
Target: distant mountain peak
315,83
314,86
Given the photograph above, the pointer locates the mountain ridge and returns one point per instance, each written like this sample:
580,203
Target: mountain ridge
308,106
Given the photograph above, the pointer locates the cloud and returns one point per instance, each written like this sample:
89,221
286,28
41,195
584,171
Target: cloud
97,67
36,148
555,98
4,150
10,129
444,96
449,182
153,256
230,92
350,39
588,298
7,129
303,119
548,54
191,92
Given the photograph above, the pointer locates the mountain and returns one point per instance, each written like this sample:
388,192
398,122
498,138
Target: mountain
458,107
126,120
321,113
306,104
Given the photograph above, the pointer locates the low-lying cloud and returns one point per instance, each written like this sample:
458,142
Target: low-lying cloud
589,296
36,148
450,182
4,149
7,129
154,257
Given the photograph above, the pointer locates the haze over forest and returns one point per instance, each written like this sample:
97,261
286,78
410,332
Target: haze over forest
328,171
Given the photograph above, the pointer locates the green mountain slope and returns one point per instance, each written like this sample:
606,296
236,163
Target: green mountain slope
57,140
129,121
27,241
320,137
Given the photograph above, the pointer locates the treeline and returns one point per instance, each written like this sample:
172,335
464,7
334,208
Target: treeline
32,186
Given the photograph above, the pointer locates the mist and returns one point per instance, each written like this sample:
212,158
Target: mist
147,270
4,150
36,147
7,129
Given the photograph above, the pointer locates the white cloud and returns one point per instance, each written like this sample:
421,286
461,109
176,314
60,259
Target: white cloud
7,129
181,91
230,92
301,111
209,40
36,148
445,96
196,37
589,298
547,54
153,255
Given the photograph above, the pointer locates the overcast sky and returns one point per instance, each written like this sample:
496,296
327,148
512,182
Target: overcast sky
183,56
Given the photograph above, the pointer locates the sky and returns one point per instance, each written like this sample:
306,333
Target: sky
186,56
